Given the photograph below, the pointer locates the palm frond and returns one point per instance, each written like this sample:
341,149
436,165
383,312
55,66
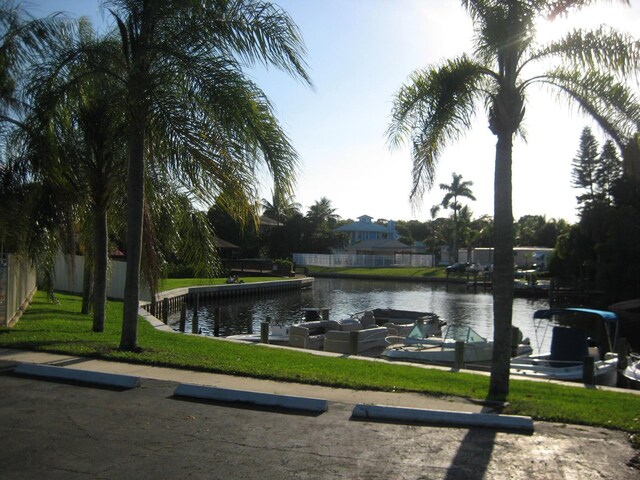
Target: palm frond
434,109
612,104
604,48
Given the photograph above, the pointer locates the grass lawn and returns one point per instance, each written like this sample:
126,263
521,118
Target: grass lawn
171,283
409,272
60,328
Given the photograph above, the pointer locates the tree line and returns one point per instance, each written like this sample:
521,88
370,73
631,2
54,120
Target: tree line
110,139
126,131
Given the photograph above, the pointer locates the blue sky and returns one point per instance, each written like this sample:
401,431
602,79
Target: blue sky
359,53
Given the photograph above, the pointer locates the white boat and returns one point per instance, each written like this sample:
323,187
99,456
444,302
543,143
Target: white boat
442,350
632,372
570,348
424,327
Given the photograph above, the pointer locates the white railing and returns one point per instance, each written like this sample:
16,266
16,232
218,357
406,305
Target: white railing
353,260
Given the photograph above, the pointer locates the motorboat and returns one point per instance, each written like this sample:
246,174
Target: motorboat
631,374
399,322
526,283
397,316
442,350
570,346
423,328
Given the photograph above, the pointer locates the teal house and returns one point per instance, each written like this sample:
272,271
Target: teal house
364,229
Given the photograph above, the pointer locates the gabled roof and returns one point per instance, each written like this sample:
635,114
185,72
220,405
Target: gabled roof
362,227
220,243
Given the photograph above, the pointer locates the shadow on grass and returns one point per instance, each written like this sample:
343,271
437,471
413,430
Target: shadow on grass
52,311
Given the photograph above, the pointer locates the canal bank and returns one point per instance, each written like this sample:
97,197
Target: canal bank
170,301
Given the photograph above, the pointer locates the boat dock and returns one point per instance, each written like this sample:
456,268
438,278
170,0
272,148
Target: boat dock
177,299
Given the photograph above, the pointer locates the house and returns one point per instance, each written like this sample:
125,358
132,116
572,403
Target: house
364,230
382,246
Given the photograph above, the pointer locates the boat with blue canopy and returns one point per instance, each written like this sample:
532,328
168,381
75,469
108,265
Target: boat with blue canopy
573,353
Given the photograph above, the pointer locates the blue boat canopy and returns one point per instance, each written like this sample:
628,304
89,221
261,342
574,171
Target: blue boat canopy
604,314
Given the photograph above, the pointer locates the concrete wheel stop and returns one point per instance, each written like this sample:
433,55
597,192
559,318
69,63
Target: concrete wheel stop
514,423
82,376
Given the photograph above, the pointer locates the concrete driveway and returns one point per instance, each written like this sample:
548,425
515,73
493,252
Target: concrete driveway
53,430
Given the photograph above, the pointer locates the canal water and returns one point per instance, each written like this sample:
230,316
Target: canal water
344,297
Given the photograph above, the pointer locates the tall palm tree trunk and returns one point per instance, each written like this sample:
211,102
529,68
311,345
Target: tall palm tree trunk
101,259
503,269
135,212
455,235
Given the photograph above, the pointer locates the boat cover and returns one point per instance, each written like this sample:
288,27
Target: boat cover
604,314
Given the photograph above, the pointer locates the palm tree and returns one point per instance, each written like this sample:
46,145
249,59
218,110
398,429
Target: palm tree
23,40
457,188
190,106
76,131
437,105
322,212
282,206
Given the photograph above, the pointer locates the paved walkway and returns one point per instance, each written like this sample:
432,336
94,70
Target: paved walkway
414,400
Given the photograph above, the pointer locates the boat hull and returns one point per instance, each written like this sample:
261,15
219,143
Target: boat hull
631,374
439,354
540,367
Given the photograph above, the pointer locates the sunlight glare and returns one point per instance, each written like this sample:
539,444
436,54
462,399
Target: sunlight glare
615,15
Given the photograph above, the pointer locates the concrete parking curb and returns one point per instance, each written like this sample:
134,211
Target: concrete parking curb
255,398
445,418
84,376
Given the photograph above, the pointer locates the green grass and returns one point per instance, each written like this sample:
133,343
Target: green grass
59,328
171,283
408,272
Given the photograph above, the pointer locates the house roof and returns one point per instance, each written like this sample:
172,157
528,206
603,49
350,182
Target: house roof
362,227
220,243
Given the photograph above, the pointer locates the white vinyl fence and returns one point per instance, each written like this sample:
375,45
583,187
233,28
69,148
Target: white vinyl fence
17,284
68,277
353,260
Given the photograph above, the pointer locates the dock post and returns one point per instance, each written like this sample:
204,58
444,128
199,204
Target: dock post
216,322
588,371
353,342
458,362
183,315
165,310
264,331
194,321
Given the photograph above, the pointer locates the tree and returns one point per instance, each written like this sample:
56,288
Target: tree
282,206
609,170
457,188
187,92
322,212
595,172
78,118
585,165
438,104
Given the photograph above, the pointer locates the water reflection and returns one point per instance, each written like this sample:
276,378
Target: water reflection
345,297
